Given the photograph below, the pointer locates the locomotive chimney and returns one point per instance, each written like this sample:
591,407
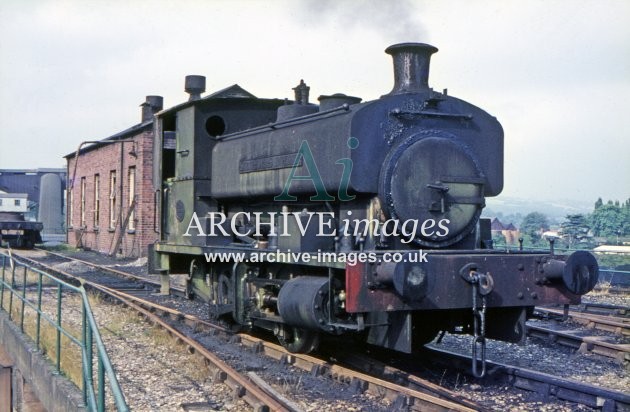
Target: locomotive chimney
411,66
151,106
194,86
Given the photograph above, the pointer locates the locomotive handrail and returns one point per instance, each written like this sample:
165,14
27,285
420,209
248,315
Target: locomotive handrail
399,112
274,125
90,336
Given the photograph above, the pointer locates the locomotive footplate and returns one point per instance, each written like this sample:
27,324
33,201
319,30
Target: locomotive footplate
442,281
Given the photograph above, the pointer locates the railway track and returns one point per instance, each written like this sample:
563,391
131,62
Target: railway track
584,344
125,275
602,309
403,387
403,390
547,386
612,324
412,393
601,345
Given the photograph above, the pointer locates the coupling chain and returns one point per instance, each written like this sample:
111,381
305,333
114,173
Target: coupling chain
482,285
479,332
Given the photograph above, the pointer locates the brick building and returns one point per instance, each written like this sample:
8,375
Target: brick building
110,197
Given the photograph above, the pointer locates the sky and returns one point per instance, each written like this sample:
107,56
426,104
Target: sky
556,74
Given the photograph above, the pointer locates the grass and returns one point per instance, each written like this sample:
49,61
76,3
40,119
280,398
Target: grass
62,247
602,288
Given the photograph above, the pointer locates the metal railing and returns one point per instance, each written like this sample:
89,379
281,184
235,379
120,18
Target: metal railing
15,282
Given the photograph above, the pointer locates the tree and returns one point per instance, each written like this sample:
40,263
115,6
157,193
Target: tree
625,218
574,229
533,226
609,220
599,203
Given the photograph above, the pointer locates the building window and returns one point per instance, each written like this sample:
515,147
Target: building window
112,199
97,199
82,205
132,196
0,202
17,202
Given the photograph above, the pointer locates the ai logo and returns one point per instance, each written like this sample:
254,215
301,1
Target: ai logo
305,155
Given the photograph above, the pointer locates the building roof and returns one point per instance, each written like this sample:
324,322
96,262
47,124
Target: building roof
13,195
496,224
132,131
40,170
612,249
231,92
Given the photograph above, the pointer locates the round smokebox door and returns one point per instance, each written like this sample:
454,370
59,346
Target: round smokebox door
435,180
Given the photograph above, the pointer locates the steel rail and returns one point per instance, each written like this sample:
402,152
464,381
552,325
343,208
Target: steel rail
126,275
619,326
584,344
544,384
603,308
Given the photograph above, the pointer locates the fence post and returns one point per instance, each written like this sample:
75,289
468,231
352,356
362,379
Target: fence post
4,265
23,300
88,337
39,309
84,342
58,343
11,293
101,385
6,400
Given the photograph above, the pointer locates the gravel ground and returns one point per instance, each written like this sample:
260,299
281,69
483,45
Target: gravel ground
154,373
551,359
608,298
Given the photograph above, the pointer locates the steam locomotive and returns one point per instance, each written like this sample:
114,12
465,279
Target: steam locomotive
347,217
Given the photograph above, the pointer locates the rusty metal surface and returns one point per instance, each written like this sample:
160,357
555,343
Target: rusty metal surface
517,282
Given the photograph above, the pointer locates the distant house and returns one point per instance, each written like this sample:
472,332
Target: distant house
551,234
509,232
13,202
612,249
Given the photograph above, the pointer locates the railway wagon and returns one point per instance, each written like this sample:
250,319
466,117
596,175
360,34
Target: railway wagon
15,230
